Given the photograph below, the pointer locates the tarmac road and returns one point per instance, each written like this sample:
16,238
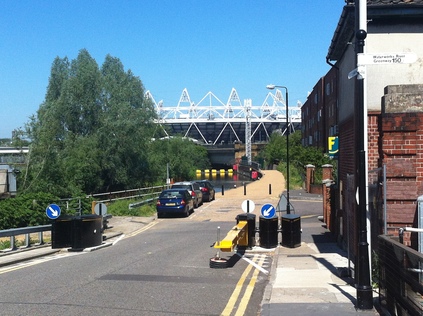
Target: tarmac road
302,280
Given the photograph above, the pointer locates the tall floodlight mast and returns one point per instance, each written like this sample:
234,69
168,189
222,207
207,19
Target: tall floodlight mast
247,105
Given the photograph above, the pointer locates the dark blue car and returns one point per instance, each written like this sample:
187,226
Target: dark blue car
174,201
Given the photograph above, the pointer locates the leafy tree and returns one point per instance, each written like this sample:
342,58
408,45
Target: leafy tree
275,149
79,102
58,75
94,130
91,131
127,127
182,155
299,156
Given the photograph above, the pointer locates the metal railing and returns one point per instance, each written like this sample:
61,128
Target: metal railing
128,194
147,195
13,232
400,277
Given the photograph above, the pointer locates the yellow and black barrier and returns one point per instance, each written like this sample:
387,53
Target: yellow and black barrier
237,236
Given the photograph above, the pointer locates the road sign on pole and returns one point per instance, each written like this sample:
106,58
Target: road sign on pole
386,58
53,211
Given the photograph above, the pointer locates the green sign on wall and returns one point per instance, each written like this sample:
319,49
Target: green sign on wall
333,146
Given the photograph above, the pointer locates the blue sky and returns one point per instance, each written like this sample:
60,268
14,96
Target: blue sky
200,45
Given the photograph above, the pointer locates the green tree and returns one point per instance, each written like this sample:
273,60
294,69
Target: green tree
299,156
58,76
127,127
275,149
92,130
182,155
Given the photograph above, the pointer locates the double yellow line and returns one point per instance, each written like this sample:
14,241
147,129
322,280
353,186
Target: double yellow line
242,306
138,231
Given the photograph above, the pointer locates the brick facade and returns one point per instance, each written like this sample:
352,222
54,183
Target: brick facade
401,149
373,140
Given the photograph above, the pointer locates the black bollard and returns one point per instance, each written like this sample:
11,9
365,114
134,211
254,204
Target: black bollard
270,188
223,190
245,189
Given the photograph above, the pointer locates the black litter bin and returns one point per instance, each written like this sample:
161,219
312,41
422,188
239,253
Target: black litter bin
87,231
77,232
291,230
251,222
61,232
268,232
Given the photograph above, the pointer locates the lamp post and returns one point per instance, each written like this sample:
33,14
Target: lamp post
271,87
363,274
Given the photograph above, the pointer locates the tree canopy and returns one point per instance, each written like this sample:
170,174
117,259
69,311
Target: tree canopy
299,155
94,131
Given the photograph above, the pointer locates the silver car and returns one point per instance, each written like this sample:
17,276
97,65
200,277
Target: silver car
194,190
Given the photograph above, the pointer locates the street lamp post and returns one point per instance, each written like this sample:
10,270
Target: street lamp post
271,87
363,273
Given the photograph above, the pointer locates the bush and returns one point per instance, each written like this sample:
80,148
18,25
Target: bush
121,208
25,210
296,177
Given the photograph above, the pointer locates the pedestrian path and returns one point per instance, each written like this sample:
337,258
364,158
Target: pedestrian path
312,279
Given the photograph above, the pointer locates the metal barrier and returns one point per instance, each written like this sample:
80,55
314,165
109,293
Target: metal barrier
237,236
400,277
128,194
13,232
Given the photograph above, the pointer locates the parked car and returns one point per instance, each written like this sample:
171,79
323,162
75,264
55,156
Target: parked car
194,190
209,193
173,201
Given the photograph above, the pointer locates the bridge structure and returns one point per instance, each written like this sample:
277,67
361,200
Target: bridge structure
213,122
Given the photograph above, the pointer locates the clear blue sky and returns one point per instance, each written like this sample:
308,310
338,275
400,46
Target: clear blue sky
200,45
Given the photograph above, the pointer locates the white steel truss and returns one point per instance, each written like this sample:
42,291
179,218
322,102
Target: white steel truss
213,122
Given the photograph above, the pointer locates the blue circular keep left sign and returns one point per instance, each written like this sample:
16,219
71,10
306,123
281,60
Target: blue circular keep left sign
53,211
268,211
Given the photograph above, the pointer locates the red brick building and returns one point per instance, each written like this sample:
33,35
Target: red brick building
393,95
320,112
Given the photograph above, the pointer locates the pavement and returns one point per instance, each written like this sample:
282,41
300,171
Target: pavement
311,279
314,278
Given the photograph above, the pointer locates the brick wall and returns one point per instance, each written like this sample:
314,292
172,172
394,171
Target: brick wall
373,140
395,138
401,149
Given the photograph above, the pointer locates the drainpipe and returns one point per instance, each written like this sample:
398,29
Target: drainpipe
330,64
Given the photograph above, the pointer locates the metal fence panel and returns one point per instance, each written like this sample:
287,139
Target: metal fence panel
400,277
